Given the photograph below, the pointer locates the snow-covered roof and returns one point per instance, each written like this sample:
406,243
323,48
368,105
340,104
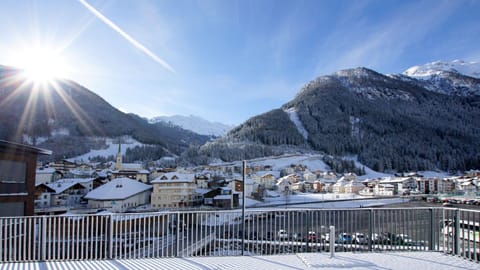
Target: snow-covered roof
60,186
117,189
354,184
222,197
76,180
48,170
174,177
132,166
202,190
82,172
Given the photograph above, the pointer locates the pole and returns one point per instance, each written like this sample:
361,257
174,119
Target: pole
244,176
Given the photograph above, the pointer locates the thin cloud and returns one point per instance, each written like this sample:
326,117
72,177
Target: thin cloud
130,39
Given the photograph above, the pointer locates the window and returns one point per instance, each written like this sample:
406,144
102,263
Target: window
10,209
13,171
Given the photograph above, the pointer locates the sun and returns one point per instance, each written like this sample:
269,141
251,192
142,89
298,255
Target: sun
41,64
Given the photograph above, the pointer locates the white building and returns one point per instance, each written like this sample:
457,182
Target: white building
354,187
119,194
339,187
173,190
284,185
384,189
46,175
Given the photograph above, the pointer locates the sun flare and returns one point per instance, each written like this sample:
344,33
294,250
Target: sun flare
41,65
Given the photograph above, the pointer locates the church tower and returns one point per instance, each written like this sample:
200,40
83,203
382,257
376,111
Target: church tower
118,166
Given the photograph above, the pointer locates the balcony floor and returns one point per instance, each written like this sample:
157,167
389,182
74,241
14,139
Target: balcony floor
384,260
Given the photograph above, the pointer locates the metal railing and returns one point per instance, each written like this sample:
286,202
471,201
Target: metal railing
219,233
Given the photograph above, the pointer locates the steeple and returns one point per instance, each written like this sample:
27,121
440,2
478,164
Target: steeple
118,166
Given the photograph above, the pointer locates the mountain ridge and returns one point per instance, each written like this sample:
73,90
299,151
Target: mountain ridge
391,122
64,115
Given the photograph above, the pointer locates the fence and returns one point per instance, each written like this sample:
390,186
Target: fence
220,233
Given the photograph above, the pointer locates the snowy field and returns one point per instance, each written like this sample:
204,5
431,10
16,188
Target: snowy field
358,261
314,200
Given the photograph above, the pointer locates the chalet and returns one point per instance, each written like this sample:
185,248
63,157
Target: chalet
43,195
47,175
222,198
298,186
354,187
69,192
401,185
339,187
64,166
201,180
17,178
267,180
284,185
173,190
237,186
318,186
119,195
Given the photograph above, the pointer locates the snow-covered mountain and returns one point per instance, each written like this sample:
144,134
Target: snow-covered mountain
390,122
458,77
471,69
195,124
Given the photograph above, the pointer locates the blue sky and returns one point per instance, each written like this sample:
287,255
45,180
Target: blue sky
232,60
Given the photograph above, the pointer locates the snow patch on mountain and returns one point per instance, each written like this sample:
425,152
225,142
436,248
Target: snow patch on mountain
111,150
471,69
195,124
292,114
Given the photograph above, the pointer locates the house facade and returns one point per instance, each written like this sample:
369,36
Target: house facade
173,190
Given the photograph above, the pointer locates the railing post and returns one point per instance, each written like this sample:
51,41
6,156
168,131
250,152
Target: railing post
431,238
370,229
178,234
332,241
244,176
43,229
110,237
2,241
309,228
456,230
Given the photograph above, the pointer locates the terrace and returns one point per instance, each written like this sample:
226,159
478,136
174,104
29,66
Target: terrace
273,238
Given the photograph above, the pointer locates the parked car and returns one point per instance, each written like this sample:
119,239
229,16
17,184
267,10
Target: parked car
282,234
311,237
360,239
382,238
403,239
345,238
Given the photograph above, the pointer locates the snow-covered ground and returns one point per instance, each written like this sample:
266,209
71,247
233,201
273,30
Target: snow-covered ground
313,162
344,260
314,200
